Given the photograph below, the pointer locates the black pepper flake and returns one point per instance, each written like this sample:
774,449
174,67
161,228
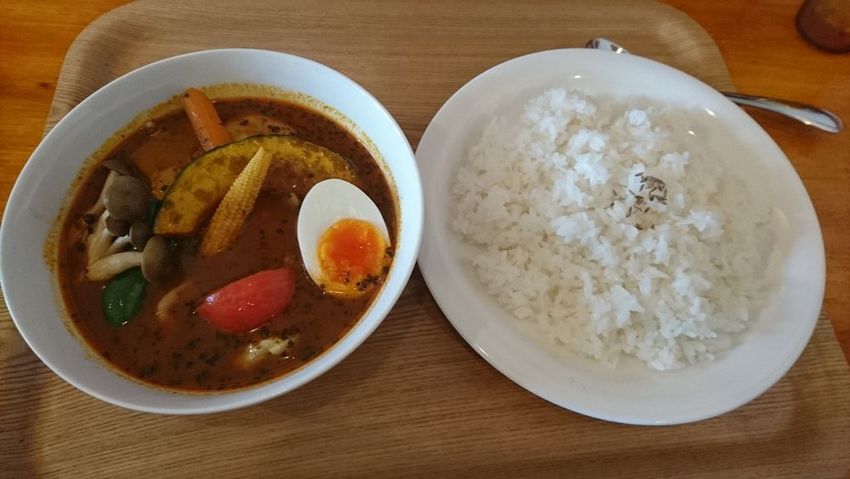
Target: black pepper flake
202,377
307,354
367,282
149,370
213,359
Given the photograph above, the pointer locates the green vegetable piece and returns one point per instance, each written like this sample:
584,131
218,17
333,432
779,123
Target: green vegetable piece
123,296
153,208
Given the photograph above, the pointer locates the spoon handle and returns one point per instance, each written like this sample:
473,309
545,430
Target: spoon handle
816,117
812,116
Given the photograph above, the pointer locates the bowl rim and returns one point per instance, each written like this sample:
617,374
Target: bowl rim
409,229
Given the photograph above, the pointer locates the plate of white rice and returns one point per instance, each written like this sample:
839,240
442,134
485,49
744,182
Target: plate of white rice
617,237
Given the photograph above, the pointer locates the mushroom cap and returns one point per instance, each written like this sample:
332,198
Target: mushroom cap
156,259
126,198
140,233
117,227
117,165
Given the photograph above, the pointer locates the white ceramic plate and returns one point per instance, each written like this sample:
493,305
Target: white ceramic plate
43,186
631,393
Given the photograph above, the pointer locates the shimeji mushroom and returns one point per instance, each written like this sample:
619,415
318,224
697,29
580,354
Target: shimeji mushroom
140,232
116,168
121,206
126,199
106,239
116,226
155,260
165,306
100,240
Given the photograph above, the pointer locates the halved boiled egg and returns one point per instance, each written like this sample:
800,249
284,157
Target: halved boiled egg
344,242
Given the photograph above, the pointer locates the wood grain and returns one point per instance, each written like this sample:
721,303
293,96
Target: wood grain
414,400
767,56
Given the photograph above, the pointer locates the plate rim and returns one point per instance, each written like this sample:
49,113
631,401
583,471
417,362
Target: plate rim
431,277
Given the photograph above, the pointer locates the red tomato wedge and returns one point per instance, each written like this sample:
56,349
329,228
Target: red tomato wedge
249,302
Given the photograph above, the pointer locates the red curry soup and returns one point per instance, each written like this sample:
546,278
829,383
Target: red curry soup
226,244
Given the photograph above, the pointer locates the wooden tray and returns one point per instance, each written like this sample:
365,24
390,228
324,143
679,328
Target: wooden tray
414,399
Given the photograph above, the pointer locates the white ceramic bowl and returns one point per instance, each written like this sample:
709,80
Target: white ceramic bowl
43,186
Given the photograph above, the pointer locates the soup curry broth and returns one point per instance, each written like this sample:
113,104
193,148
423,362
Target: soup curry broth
244,310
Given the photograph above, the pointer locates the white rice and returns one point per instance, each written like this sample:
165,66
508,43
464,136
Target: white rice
550,198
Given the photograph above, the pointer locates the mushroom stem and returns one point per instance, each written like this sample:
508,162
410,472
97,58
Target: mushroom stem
165,306
120,244
106,268
98,206
98,243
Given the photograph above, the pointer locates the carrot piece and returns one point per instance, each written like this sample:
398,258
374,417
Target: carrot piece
205,120
236,206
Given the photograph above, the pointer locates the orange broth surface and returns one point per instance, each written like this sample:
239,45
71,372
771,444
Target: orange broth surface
178,350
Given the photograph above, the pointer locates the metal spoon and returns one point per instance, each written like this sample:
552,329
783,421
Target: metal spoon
817,117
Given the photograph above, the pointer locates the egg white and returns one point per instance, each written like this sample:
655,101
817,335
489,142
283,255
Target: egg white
326,203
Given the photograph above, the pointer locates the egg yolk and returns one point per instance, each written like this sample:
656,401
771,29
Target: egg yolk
352,256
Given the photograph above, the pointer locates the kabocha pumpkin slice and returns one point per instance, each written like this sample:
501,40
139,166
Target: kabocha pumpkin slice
233,211
200,186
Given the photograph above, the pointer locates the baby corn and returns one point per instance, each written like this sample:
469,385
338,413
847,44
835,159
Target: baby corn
236,206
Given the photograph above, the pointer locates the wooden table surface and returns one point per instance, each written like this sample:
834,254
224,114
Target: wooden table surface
767,57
